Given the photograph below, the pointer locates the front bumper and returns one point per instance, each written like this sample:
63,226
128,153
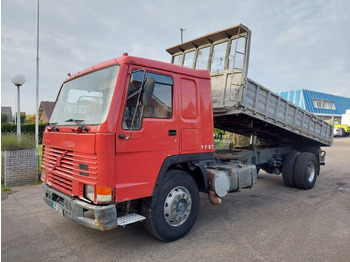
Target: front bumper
104,217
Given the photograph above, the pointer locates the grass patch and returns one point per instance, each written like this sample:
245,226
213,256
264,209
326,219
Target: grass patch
10,141
5,188
37,182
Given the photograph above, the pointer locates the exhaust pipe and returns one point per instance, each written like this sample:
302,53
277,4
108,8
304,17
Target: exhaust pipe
213,198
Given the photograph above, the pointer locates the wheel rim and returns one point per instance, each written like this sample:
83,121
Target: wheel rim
177,206
311,172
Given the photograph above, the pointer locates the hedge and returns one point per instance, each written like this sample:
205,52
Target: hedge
27,128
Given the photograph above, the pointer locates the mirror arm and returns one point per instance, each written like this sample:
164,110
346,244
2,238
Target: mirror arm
133,117
137,105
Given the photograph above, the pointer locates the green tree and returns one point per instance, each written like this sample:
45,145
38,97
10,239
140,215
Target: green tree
23,117
4,118
30,118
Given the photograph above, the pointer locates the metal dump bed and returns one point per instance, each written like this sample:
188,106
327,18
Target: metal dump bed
241,105
273,118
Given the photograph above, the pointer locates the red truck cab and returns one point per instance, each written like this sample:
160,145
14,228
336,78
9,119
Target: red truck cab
117,129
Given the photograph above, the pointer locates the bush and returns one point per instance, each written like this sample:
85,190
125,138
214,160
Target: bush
10,141
28,128
4,118
227,140
22,116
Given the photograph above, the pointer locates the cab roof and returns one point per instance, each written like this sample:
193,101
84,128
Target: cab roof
143,62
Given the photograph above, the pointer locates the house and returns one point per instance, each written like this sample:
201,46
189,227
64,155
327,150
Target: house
45,110
326,106
7,110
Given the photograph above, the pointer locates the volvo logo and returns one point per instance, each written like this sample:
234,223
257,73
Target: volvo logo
59,159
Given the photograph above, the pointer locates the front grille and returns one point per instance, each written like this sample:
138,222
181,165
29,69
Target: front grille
67,166
61,182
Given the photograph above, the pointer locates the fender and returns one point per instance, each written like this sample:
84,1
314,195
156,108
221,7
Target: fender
195,159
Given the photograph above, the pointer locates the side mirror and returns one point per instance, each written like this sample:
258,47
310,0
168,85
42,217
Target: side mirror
147,90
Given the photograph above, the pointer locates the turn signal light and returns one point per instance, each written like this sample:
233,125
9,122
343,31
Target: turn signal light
103,193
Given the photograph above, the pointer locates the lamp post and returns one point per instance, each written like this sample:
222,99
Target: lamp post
37,79
18,80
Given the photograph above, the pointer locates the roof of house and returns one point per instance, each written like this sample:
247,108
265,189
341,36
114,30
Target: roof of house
7,110
306,99
46,108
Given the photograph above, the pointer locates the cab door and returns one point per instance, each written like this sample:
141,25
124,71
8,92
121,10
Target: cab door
146,134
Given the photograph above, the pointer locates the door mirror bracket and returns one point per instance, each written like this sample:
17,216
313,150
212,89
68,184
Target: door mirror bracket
147,90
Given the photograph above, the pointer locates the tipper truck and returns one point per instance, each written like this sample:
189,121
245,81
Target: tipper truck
131,139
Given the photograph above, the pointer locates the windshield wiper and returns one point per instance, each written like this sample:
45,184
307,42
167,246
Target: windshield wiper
78,123
53,126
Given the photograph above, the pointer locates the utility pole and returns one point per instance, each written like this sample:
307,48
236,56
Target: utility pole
37,78
182,34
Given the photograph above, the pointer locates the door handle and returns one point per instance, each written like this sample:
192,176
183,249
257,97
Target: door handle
172,133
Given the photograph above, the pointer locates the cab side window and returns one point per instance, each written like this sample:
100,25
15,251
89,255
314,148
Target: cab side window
160,105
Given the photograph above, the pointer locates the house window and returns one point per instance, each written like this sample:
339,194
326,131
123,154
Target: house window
324,104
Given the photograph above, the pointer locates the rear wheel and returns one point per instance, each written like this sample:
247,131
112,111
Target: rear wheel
176,207
288,168
306,171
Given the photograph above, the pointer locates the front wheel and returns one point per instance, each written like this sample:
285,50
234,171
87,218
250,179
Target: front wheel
176,208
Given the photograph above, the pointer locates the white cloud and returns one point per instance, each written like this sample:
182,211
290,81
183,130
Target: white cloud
295,44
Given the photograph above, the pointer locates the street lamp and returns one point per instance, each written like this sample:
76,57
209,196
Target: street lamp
18,80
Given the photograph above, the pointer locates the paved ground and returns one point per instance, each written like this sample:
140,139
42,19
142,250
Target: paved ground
268,223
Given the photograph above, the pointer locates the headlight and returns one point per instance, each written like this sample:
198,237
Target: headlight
43,174
89,192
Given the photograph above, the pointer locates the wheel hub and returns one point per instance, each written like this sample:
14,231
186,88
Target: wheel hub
311,172
177,206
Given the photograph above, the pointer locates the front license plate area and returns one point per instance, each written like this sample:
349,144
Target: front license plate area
57,207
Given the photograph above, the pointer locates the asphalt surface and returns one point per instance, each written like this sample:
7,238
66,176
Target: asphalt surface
271,222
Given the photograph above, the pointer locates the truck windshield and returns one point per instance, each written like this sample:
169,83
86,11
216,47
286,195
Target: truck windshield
86,99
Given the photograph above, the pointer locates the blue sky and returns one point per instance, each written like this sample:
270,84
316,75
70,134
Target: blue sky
295,44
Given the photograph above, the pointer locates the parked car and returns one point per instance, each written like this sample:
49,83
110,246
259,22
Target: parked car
338,131
345,128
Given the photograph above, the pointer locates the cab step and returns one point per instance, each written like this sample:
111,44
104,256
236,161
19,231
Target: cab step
129,219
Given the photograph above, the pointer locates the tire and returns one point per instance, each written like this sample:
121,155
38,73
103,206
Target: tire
306,171
176,207
288,165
